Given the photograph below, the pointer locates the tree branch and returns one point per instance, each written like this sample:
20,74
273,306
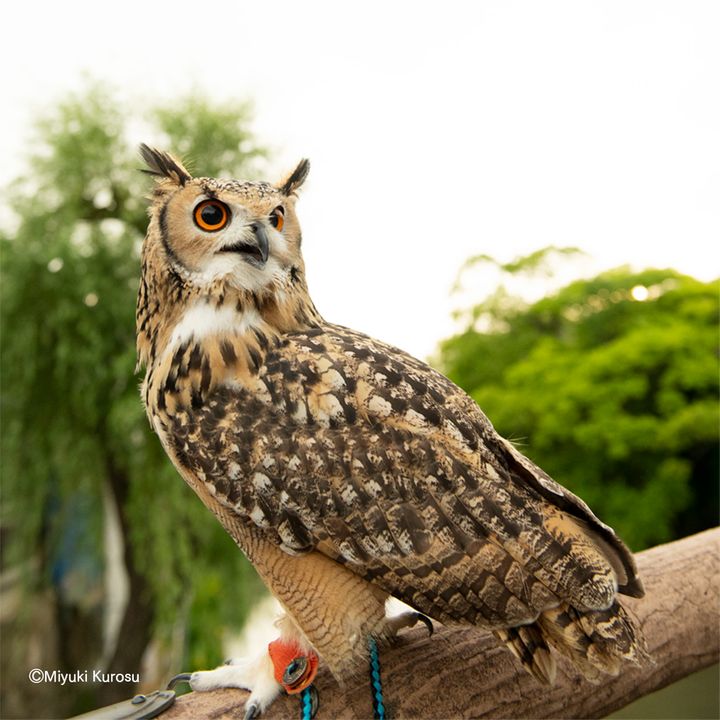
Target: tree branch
463,672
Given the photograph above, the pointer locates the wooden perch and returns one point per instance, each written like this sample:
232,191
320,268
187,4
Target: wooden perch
464,672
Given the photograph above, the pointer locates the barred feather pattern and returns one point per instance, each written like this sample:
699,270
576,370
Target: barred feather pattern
335,442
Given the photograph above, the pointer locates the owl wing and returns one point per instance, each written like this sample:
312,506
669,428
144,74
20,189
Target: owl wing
352,448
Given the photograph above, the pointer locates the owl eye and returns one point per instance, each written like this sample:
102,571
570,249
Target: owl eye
211,215
277,217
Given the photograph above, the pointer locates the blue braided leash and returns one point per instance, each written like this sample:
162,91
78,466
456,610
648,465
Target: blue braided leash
306,711
376,682
306,696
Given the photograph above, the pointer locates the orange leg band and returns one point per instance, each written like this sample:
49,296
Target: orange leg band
293,669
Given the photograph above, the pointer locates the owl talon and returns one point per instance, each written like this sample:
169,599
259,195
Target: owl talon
426,621
408,620
252,711
182,677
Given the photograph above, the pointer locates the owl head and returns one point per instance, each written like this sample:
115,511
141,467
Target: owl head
224,248
213,231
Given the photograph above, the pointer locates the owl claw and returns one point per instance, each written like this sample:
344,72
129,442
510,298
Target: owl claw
408,620
182,677
427,621
252,711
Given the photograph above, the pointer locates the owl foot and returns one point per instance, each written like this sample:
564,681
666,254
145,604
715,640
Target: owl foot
254,674
408,620
283,667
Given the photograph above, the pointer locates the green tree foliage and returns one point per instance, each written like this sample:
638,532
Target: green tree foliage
611,385
74,431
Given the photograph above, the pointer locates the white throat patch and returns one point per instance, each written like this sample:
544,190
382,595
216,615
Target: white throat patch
204,319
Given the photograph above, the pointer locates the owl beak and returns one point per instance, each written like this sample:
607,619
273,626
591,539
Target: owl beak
254,246
261,239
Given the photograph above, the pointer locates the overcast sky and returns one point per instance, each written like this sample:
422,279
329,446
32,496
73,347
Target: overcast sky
435,130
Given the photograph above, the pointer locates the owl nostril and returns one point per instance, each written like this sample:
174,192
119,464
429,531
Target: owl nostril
254,227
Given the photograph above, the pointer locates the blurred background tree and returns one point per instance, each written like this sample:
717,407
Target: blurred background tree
609,384
105,547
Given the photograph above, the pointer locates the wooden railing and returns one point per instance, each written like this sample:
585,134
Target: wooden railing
465,673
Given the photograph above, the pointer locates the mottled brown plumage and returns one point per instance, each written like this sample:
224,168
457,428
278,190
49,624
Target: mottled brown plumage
332,456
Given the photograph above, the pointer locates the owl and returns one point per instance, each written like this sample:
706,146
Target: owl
346,470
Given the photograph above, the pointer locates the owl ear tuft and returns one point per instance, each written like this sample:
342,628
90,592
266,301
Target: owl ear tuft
296,178
163,165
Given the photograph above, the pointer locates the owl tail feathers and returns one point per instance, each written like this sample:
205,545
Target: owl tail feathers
528,645
597,642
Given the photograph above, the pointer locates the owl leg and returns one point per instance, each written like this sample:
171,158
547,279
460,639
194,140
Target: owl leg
287,664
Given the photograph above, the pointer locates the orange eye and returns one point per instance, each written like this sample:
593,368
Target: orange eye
277,218
211,215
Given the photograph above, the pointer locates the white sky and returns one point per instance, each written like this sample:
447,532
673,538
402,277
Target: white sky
435,130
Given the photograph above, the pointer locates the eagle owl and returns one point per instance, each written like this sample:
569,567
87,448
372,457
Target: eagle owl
345,469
